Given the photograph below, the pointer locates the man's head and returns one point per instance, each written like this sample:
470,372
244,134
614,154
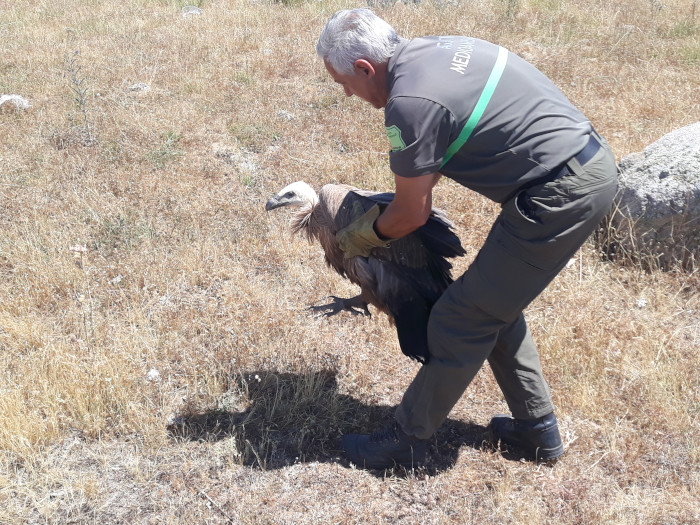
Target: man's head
356,46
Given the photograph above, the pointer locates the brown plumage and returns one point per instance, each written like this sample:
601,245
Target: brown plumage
402,280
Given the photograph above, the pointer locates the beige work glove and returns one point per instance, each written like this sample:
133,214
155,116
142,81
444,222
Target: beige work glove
359,237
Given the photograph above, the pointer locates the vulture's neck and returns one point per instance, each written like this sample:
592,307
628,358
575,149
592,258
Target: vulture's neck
302,220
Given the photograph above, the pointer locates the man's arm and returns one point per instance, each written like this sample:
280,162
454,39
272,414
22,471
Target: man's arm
410,208
408,211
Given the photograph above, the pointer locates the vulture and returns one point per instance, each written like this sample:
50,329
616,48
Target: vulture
402,280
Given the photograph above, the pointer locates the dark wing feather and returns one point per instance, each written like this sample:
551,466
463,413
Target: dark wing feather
423,254
405,278
437,234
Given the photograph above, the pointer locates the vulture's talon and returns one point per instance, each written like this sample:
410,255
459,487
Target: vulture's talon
354,305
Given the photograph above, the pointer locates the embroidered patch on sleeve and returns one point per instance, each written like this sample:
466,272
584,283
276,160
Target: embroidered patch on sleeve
394,134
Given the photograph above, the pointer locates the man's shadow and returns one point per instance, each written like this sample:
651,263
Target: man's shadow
272,420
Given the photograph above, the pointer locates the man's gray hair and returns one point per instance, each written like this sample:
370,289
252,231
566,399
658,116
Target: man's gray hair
353,34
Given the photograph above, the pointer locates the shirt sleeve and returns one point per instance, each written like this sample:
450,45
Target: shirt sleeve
420,131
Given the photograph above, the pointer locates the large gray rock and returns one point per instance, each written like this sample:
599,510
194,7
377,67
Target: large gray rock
657,219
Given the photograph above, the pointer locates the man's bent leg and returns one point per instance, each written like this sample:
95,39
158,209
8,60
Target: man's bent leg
461,337
516,366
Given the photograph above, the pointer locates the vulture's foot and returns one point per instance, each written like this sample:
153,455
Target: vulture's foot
355,305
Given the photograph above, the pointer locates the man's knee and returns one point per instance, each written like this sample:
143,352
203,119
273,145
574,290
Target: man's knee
459,332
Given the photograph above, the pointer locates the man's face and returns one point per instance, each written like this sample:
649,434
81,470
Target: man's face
364,83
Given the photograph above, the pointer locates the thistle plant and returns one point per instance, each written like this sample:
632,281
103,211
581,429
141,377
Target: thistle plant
80,90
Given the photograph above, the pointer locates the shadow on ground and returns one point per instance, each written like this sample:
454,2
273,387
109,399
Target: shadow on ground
273,420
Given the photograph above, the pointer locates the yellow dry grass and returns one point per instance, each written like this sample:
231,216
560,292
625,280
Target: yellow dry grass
134,240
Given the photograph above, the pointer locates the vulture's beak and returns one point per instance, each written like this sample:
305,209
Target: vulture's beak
273,203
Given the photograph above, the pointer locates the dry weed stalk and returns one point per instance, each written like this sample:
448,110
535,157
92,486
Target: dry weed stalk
79,88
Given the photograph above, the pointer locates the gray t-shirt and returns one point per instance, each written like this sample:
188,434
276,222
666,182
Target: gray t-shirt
528,128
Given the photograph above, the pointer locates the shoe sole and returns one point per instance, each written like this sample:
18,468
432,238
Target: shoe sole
539,454
350,446
549,454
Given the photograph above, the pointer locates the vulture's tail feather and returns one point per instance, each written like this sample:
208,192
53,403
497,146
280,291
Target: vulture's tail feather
411,321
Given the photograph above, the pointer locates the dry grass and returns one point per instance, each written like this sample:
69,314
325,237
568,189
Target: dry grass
183,272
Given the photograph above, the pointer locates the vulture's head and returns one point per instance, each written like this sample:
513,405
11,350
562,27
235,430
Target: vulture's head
298,194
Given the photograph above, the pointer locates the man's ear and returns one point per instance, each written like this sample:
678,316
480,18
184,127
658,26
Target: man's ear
363,67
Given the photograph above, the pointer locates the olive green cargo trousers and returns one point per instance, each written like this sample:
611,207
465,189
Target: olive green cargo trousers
480,317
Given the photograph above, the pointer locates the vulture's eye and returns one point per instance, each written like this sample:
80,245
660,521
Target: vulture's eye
289,195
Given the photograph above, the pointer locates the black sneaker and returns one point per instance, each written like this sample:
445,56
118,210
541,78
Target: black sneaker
539,439
385,448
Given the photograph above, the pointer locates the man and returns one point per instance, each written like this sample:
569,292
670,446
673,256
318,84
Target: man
471,111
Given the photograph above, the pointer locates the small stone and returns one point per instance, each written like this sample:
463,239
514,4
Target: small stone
13,103
190,10
153,374
140,87
235,156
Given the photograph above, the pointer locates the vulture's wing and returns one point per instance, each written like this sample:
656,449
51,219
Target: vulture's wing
409,275
437,234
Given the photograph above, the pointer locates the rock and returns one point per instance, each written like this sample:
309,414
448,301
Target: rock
389,3
190,10
13,103
657,215
286,115
140,87
233,155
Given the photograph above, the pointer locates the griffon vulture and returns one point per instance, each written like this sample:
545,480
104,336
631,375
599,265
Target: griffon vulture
402,280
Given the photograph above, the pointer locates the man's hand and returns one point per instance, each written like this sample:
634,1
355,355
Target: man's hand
359,237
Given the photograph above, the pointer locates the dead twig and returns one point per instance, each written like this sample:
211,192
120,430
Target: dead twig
218,507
